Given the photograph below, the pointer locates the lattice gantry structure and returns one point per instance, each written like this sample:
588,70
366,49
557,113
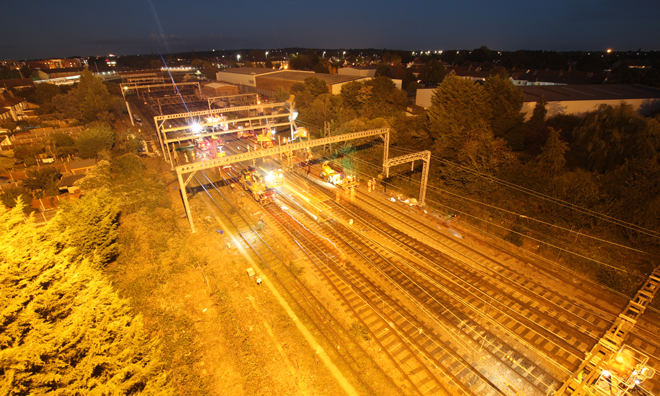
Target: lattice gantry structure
175,129
425,156
190,169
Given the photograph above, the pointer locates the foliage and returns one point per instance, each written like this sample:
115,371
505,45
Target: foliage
321,68
634,189
505,102
90,227
433,72
383,70
62,140
374,98
43,182
646,76
11,196
206,68
281,95
552,159
94,139
65,330
24,153
458,123
611,134
90,101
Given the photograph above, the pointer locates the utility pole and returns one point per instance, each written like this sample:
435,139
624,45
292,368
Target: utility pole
326,134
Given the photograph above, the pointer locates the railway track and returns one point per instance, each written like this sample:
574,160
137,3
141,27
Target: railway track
342,343
527,335
532,308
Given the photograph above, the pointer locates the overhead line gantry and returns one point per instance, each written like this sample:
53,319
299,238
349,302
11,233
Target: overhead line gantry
193,167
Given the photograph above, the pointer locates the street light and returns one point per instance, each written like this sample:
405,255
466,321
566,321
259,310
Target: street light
323,56
238,58
344,54
266,54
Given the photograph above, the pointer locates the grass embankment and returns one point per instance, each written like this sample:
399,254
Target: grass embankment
193,293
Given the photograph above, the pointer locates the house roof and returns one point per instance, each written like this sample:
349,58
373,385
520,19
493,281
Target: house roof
556,93
298,76
69,181
217,85
80,164
64,70
9,101
17,83
249,70
560,76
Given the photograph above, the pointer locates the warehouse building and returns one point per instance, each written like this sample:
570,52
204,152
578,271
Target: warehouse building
267,80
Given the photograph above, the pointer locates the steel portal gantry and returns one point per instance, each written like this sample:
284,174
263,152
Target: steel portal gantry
191,168
270,119
425,156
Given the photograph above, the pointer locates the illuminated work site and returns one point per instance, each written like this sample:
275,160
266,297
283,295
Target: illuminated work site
446,309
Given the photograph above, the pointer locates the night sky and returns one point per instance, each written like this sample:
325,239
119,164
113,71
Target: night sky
42,29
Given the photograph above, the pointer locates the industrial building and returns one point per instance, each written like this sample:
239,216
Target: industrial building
576,99
268,79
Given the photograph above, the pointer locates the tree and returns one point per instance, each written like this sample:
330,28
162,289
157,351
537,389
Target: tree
505,102
43,182
386,100
90,227
90,101
94,99
611,134
94,139
433,72
387,57
67,105
349,93
44,92
384,70
257,54
269,64
321,68
316,86
458,105
552,160
458,122
65,330
12,196
540,111
281,95
396,59
206,67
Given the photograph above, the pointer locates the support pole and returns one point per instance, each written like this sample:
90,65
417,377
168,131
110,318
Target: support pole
158,132
186,206
130,115
425,180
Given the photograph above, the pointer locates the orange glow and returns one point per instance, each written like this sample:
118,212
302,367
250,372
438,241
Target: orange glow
609,51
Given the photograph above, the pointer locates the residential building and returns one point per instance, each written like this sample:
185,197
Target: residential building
55,63
16,83
12,108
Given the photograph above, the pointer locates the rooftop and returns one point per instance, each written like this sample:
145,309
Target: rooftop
298,76
249,70
555,93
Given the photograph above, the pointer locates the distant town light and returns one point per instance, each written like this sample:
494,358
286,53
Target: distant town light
609,50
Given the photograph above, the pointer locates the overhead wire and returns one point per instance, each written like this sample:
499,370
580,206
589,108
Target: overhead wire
516,232
539,195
